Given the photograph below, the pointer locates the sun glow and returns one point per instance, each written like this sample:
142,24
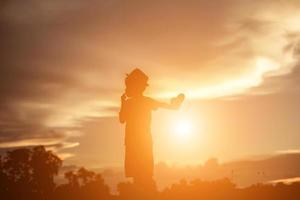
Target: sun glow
182,128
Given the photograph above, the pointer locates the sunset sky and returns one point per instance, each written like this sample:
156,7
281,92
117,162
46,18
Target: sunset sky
63,64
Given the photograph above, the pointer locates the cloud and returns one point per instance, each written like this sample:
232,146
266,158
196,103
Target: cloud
256,48
28,142
286,181
63,63
289,151
44,94
65,156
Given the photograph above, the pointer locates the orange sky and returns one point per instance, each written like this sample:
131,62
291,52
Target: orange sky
63,66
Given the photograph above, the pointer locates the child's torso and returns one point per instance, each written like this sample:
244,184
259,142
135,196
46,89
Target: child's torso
138,122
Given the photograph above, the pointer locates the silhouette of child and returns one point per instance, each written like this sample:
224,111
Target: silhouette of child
136,113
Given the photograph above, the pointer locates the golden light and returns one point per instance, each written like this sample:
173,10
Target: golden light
182,128
260,68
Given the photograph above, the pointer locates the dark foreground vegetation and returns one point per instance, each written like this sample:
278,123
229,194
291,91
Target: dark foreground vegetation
29,174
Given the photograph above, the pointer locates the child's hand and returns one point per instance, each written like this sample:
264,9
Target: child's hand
177,101
123,97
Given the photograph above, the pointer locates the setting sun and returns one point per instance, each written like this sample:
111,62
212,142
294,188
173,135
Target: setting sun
182,128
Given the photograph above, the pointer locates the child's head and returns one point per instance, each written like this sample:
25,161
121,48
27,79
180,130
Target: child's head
136,83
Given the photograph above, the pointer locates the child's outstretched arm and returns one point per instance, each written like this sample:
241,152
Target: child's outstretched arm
174,104
123,110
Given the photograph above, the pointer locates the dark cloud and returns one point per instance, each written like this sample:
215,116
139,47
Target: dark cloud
40,63
47,47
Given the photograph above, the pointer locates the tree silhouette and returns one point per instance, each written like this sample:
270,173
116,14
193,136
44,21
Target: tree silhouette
29,173
44,166
83,184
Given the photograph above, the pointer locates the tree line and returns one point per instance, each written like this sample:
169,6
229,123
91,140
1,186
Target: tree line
28,173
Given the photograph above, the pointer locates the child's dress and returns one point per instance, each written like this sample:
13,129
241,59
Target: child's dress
138,139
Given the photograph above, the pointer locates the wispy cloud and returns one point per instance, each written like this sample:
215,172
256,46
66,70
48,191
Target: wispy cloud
289,151
286,181
258,45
